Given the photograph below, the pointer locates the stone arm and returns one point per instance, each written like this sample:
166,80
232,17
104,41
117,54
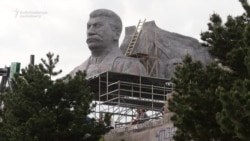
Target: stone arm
129,65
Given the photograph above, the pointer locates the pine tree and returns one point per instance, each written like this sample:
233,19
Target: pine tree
235,116
196,104
225,41
212,103
42,109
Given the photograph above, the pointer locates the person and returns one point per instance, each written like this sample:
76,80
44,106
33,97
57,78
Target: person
112,123
144,115
103,31
162,110
138,117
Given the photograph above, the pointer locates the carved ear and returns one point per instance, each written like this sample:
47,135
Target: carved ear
116,35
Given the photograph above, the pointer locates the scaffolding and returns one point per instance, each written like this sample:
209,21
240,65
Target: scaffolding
135,37
120,94
148,57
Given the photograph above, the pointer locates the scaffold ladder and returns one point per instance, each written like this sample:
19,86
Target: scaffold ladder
135,37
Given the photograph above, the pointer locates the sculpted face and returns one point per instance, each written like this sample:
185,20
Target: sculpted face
99,33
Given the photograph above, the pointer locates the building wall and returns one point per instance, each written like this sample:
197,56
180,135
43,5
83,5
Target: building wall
153,130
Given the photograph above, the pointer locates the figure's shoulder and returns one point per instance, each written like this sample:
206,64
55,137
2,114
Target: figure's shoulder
131,61
129,65
81,67
127,59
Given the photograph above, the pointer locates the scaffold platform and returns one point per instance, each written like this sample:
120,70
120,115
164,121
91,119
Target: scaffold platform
121,93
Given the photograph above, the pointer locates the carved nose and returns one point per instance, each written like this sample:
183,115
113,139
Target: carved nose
91,31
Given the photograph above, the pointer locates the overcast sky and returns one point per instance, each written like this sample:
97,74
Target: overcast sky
59,26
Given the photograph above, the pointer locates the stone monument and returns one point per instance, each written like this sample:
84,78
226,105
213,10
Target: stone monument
103,31
166,48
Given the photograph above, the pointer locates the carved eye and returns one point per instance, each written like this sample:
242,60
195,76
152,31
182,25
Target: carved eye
88,26
175,63
97,25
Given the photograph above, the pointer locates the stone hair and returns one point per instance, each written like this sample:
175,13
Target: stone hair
116,23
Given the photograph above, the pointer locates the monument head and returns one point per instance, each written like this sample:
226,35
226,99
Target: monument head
104,28
103,31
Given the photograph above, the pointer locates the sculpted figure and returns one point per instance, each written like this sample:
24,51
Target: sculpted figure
103,31
166,48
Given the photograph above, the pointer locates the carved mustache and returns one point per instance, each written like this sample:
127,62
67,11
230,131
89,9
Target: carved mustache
93,39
